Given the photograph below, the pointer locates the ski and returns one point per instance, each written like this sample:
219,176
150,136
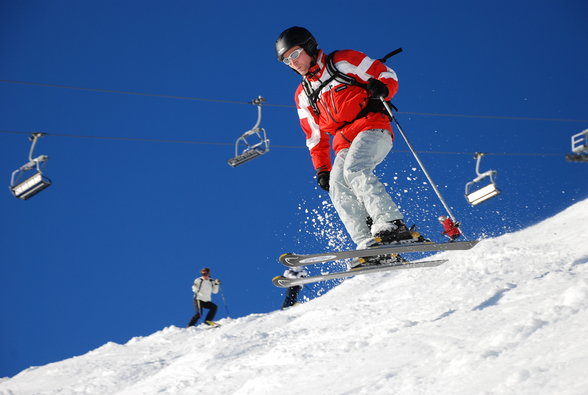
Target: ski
294,260
284,282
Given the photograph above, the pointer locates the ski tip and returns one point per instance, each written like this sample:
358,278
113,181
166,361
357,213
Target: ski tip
289,259
284,258
280,282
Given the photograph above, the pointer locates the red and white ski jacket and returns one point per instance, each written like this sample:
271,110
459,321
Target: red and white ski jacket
339,104
450,229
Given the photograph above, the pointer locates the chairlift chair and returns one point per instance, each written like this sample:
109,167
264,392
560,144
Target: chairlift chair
476,196
245,150
23,187
579,147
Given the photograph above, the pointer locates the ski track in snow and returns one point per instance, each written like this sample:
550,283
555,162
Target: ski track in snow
507,317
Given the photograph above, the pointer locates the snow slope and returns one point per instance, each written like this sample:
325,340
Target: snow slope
507,317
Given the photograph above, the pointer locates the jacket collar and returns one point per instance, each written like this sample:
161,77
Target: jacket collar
318,68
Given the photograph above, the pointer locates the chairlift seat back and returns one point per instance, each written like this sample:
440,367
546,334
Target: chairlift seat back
482,194
580,142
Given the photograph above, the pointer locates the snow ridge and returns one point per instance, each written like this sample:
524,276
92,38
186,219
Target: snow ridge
507,317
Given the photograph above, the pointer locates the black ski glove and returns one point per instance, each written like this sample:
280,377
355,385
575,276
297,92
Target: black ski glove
376,88
323,178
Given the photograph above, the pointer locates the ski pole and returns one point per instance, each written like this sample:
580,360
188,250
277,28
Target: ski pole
199,308
224,301
389,109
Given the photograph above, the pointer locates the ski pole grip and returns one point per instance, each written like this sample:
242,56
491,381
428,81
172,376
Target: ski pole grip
395,52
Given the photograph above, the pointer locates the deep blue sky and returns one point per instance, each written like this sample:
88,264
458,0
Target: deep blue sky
110,250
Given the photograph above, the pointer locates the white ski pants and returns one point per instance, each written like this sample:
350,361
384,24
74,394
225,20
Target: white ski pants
355,190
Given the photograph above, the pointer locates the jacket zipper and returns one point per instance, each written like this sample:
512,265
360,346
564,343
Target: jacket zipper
333,100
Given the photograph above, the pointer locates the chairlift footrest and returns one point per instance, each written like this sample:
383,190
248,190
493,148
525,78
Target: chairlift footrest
244,157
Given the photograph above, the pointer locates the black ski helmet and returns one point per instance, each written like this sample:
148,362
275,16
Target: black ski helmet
294,36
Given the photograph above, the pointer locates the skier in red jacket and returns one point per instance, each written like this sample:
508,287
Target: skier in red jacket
450,229
350,112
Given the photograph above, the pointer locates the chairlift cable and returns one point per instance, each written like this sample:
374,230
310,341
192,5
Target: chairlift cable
125,92
134,139
202,99
139,139
502,117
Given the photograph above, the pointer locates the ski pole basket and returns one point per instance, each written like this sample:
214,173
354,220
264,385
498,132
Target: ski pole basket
476,196
252,143
28,180
579,147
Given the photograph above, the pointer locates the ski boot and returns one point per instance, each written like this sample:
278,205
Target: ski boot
417,235
397,233
376,260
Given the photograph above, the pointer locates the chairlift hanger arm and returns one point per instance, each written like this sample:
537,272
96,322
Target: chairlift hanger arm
36,162
489,173
255,129
33,138
258,102
478,157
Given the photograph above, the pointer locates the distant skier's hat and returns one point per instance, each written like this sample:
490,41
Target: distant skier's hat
442,218
205,270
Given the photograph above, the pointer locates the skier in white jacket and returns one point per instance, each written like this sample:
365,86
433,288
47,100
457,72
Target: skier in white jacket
203,289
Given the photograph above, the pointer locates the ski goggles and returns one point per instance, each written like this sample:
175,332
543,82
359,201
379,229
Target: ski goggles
293,55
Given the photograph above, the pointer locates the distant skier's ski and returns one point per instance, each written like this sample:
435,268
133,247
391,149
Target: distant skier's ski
283,282
294,260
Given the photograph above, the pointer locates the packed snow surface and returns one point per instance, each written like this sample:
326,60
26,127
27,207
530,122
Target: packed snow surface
509,316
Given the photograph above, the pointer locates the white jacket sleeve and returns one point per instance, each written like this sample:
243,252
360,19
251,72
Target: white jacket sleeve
215,286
